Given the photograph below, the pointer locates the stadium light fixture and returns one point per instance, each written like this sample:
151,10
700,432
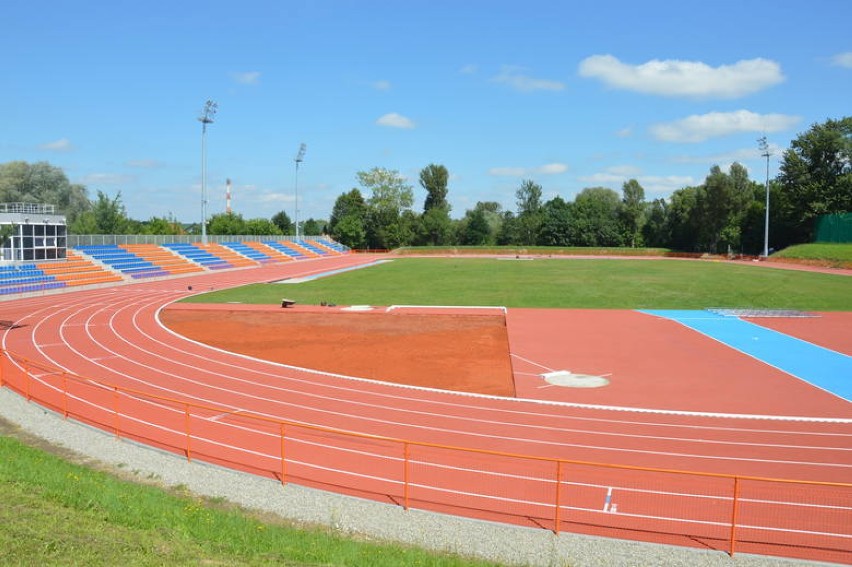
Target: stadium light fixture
764,148
207,114
300,157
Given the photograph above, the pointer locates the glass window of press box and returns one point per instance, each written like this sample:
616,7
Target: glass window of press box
33,242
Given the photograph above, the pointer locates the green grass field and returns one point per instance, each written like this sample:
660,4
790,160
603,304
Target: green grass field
561,283
834,254
54,512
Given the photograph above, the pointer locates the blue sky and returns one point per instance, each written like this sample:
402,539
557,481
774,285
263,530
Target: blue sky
568,94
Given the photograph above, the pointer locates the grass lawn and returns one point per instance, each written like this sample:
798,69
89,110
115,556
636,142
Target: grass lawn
826,251
55,512
561,283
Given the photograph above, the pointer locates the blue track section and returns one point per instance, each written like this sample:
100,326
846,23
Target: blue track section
824,368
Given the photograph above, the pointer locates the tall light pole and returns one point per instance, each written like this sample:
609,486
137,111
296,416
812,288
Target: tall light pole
764,148
300,157
206,118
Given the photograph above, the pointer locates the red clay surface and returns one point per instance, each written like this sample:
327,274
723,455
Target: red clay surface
113,335
467,353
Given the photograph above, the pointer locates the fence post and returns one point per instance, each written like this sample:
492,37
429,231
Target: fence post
27,379
115,411
186,425
405,459
283,459
734,510
65,395
556,518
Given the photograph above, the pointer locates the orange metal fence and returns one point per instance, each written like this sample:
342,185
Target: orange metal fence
811,520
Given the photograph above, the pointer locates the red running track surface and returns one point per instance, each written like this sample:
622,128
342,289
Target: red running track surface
112,335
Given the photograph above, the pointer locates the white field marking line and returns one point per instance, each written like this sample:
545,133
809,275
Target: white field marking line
721,497
361,417
492,437
109,370
53,312
682,495
464,307
471,395
425,487
433,402
744,353
688,412
527,360
347,473
373,455
224,414
494,422
41,375
706,522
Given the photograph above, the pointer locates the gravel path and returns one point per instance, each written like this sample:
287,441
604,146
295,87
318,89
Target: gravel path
497,542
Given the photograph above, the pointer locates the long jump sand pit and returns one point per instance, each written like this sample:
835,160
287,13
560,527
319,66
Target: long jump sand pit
458,351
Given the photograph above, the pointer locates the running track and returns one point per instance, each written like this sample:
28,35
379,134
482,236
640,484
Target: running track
112,335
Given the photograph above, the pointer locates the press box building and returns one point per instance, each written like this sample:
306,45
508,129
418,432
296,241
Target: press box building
31,232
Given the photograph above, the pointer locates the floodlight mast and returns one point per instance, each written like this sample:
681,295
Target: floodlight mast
206,118
300,157
764,148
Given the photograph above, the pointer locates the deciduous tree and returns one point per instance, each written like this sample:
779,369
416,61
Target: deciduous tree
595,218
816,176
43,183
528,200
282,220
633,211
434,178
391,196
348,221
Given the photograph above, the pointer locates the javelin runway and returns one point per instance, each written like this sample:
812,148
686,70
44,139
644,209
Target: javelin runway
113,336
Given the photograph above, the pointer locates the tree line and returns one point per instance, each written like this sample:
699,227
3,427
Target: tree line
723,214
726,213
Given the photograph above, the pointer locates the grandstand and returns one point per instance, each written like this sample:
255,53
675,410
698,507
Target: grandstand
109,259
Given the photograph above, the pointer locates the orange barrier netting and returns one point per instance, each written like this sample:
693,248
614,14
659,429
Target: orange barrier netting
792,518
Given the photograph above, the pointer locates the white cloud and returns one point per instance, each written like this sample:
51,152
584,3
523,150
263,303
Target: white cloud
508,171
144,163
514,77
663,185
654,185
843,60
468,70
625,132
394,120
382,85
247,78
624,170
61,145
673,77
700,127
552,168
105,179
274,198
546,169
741,155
